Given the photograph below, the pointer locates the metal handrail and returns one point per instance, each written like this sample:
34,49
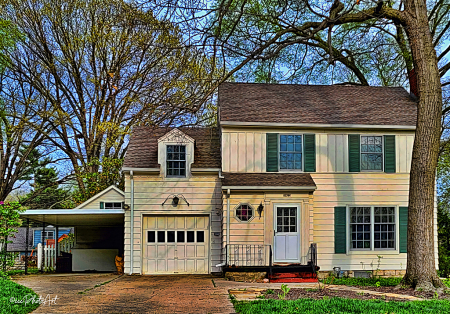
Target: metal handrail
248,255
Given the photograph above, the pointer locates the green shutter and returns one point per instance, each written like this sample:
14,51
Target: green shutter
389,153
354,154
102,205
403,229
272,152
340,230
310,152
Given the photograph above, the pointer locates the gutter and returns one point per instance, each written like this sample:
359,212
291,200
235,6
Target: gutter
316,125
131,221
228,223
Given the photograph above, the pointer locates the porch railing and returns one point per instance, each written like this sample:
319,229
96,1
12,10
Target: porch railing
248,255
312,254
241,255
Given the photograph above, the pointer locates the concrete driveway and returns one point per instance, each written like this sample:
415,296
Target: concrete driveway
108,293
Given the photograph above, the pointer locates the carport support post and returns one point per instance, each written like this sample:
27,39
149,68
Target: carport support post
26,246
56,244
43,244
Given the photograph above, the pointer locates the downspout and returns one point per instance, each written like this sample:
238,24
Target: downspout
131,221
228,225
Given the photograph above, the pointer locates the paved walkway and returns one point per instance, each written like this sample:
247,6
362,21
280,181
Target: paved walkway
130,294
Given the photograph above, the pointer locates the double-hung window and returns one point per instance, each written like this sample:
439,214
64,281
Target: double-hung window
176,161
372,153
291,152
372,228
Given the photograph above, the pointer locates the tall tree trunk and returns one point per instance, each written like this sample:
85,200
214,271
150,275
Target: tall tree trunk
421,267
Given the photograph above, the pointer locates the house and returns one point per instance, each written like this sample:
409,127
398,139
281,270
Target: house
18,240
295,178
293,175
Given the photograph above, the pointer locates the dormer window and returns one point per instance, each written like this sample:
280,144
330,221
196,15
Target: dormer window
176,161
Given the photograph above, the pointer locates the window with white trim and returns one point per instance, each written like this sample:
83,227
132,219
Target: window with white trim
113,205
372,153
244,212
291,152
372,228
176,161
49,235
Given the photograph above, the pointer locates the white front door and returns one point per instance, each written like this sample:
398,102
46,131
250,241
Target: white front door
286,233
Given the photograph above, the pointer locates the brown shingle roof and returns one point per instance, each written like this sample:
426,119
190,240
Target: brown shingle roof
321,104
267,179
143,148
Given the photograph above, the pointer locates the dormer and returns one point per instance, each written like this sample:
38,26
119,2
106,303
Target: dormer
176,154
173,153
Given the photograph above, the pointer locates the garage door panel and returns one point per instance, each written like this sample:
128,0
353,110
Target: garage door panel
190,251
151,266
201,266
180,222
161,223
201,251
162,250
175,244
171,266
151,222
161,266
201,223
151,252
171,251
170,222
190,222
190,266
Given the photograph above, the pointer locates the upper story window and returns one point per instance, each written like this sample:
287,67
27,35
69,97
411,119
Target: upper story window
176,161
372,153
291,152
113,205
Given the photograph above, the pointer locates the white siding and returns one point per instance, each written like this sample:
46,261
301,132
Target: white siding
245,150
110,196
203,194
356,189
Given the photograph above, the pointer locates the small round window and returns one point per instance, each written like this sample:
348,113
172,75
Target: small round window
244,212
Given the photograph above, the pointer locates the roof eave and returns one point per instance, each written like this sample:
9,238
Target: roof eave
279,188
317,126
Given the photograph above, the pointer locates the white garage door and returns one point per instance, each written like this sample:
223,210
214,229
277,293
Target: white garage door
176,244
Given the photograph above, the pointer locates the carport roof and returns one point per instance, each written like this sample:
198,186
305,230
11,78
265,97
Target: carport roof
77,217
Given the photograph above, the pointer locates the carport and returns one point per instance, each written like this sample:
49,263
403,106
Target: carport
99,234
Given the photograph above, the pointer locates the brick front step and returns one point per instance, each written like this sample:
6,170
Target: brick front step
287,280
293,277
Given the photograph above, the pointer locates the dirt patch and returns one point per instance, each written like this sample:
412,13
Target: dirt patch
319,294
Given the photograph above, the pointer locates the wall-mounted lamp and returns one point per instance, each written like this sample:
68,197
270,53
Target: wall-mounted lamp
126,206
260,209
175,199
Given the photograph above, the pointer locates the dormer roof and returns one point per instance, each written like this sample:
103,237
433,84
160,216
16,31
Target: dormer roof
143,148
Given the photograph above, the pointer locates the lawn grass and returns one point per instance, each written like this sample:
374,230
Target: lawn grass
15,272
9,290
383,282
341,306
369,282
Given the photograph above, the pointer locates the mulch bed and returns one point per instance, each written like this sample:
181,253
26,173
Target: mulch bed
319,294
407,291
